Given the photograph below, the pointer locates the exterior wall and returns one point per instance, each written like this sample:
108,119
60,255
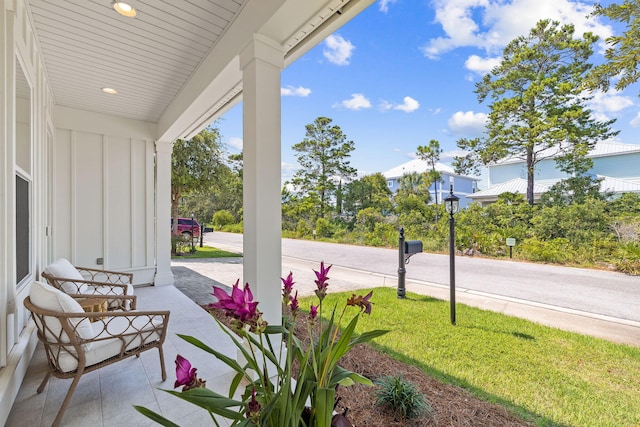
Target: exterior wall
25,123
103,186
622,166
619,166
546,169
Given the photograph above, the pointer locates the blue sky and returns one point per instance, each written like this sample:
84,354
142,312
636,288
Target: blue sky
403,72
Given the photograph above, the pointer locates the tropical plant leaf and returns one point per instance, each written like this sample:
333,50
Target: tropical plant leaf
212,402
155,416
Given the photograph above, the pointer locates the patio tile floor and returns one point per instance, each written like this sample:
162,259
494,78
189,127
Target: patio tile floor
105,398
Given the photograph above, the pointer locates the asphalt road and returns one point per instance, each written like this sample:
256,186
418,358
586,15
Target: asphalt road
598,292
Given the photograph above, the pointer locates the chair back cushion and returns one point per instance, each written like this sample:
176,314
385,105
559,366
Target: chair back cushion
49,298
62,268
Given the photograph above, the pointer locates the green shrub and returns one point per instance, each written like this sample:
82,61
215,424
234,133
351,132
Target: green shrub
323,227
382,235
401,397
303,229
558,250
233,228
182,243
628,258
222,218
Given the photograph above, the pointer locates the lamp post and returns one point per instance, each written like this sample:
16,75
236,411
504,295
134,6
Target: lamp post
451,204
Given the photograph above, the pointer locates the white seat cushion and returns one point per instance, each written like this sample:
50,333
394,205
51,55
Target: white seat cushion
62,268
141,328
52,299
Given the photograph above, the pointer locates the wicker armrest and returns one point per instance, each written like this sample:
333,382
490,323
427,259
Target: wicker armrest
106,276
61,282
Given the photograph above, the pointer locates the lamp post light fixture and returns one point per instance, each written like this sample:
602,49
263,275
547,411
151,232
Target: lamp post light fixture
451,205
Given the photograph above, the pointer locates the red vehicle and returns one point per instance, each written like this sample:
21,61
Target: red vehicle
187,227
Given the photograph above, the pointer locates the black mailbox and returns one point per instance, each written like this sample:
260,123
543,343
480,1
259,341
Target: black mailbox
412,247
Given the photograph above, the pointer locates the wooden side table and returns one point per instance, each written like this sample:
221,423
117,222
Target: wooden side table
94,305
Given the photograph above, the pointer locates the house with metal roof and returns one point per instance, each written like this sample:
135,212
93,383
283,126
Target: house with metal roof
463,185
616,164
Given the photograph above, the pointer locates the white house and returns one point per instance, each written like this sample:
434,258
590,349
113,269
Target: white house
90,104
617,164
463,185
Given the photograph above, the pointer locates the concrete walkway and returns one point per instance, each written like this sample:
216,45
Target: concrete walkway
196,277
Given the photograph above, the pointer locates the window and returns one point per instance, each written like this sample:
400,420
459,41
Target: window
23,240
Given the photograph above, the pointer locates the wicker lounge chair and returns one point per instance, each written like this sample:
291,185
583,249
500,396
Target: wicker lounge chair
82,282
77,342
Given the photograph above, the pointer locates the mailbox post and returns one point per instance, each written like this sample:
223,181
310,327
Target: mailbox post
401,270
406,248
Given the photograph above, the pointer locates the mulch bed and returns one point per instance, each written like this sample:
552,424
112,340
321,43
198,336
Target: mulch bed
452,406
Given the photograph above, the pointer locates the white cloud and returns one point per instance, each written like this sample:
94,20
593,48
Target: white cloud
448,156
357,102
295,91
288,170
491,24
384,5
636,121
235,142
408,105
482,65
467,123
610,102
338,50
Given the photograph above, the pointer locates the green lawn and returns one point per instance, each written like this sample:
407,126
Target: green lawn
542,374
207,252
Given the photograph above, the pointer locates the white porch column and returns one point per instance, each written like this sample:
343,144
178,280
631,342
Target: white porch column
261,62
164,276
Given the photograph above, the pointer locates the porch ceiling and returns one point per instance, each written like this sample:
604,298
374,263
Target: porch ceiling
175,63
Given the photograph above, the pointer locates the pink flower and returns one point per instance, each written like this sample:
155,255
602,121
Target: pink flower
186,375
287,287
293,304
321,280
313,312
239,304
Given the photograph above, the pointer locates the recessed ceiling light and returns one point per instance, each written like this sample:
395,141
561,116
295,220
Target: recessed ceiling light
123,8
109,90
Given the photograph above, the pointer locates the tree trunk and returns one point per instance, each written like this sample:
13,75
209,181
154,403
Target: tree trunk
530,171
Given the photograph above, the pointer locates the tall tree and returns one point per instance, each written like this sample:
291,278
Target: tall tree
370,191
324,159
623,51
431,154
195,166
413,184
538,109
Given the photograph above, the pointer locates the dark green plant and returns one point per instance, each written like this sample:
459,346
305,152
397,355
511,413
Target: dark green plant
324,228
401,397
222,218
